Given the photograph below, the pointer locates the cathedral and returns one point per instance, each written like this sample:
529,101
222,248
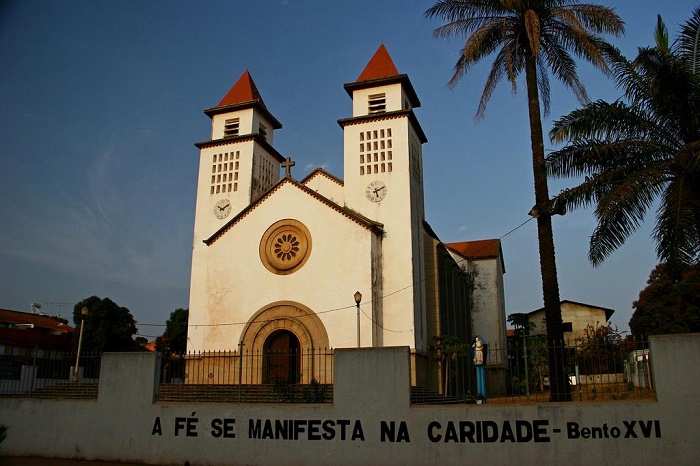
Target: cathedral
324,262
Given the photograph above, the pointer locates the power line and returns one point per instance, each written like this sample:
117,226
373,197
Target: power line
228,324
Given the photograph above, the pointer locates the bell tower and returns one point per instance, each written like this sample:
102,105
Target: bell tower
238,164
236,167
383,172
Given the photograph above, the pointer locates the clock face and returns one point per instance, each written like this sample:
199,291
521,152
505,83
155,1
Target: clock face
222,208
376,191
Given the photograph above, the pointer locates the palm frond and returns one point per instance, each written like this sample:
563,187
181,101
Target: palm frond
688,42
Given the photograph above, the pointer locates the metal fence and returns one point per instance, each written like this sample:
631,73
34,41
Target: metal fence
595,370
518,373
254,367
33,371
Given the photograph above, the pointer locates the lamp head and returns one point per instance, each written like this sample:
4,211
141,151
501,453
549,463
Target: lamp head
358,297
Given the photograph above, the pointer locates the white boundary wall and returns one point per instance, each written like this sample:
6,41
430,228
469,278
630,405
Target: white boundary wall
370,422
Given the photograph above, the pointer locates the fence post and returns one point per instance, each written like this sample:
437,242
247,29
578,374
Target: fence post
527,375
31,383
240,370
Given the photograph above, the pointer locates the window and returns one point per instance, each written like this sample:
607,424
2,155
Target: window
224,172
231,127
262,130
375,149
377,103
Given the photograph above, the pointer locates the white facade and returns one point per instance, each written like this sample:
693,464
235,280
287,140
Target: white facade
360,234
273,256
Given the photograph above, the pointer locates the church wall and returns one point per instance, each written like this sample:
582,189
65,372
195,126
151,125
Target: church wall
370,421
400,244
238,284
239,196
327,188
488,313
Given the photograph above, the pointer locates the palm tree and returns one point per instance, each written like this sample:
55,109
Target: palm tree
535,37
641,150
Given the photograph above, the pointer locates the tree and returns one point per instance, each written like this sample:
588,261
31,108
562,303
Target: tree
601,350
448,348
107,326
174,338
521,324
640,150
668,305
532,37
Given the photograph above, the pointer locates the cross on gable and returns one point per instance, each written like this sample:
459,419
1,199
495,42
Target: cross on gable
288,164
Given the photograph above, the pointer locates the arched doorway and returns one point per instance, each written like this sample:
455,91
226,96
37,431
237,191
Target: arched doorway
306,330
282,358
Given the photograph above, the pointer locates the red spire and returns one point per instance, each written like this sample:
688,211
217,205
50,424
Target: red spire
243,91
380,66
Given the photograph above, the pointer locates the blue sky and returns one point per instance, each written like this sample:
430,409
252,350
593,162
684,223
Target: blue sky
101,103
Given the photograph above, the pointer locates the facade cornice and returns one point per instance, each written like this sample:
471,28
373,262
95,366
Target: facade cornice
254,104
246,137
343,122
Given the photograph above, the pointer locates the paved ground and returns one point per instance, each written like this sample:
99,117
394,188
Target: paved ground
33,461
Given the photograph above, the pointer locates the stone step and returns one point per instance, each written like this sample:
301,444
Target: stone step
71,390
248,393
421,395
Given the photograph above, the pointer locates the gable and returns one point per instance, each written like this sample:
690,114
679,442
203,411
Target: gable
326,185
307,197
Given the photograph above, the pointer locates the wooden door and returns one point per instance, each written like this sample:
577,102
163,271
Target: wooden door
282,358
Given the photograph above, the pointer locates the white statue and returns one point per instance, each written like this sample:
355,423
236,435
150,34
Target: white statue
478,347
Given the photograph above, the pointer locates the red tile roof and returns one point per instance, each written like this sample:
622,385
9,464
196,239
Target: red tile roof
481,249
243,91
52,323
380,66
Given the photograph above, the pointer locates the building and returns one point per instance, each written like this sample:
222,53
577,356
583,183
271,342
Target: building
28,341
277,261
483,260
576,318
22,332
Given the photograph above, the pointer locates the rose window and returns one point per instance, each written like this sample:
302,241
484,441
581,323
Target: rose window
285,247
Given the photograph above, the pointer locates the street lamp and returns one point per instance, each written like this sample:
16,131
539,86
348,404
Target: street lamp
83,312
358,298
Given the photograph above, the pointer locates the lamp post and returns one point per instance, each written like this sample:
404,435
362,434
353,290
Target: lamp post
83,312
358,298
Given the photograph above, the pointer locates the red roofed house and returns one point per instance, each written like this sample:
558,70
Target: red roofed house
277,260
25,338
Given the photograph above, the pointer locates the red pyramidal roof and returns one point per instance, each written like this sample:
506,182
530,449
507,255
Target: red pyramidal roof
243,91
380,66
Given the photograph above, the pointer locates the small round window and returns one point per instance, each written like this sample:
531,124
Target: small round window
285,247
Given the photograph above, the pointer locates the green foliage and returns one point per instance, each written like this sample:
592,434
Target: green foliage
107,326
639,152
314,392
668,305
448,348
534,38
530,350
601,350
521,324
174,337
285,390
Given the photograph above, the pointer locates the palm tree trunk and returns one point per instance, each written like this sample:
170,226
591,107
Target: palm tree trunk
548,267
